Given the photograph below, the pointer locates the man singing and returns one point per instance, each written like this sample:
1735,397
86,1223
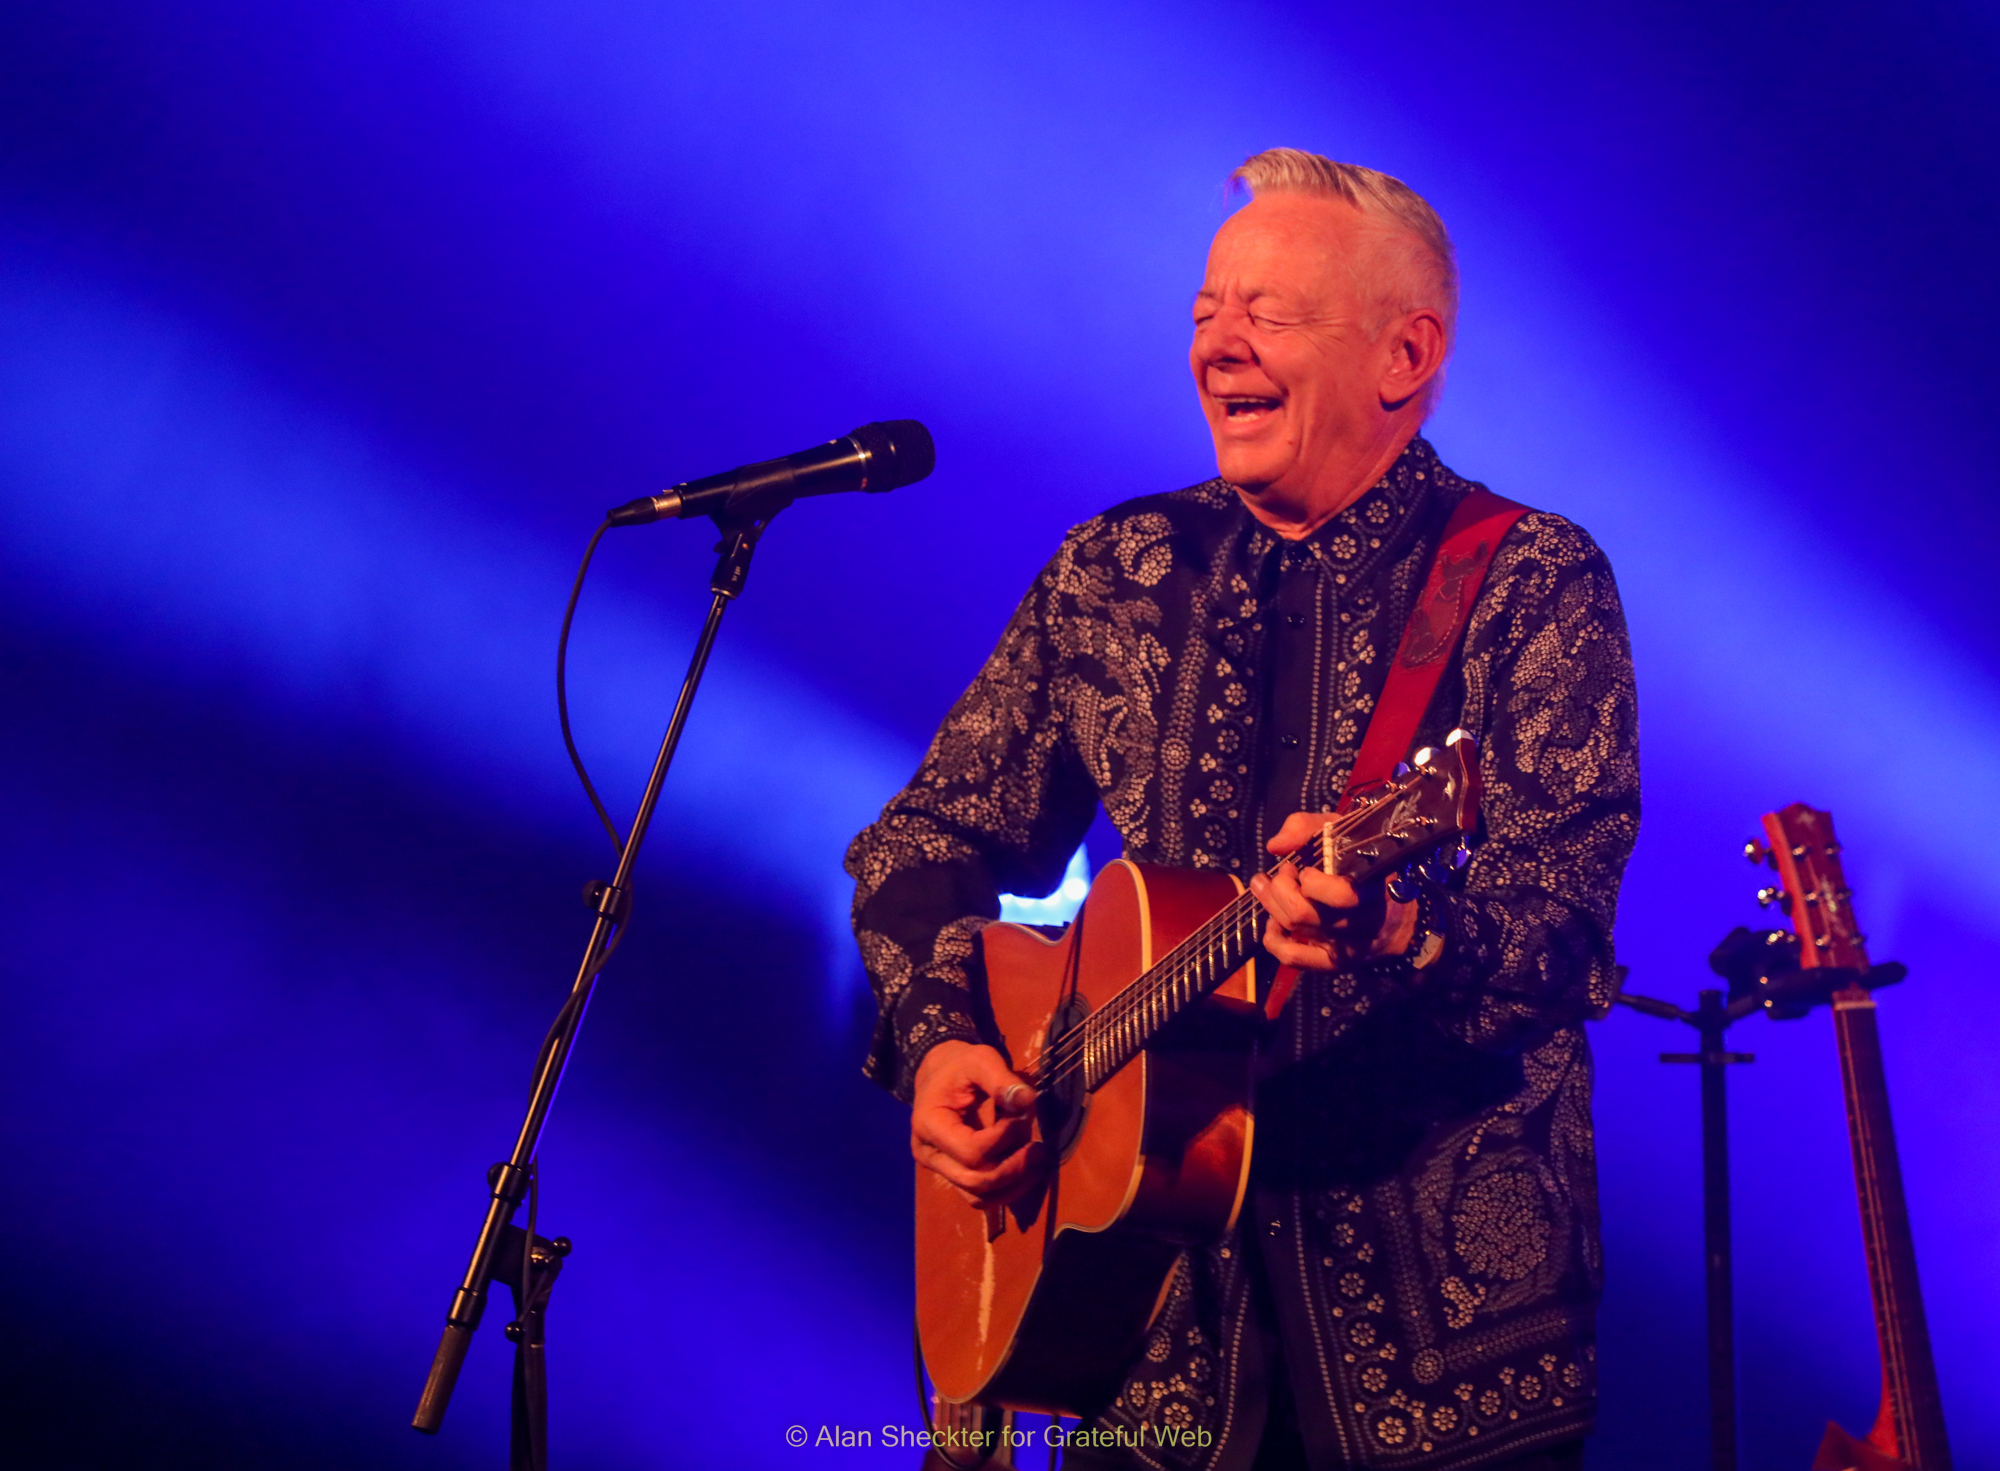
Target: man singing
1415,1272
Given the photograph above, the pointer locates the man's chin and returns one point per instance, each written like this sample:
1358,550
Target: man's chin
1253,475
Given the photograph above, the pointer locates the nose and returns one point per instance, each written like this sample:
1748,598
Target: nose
1220,341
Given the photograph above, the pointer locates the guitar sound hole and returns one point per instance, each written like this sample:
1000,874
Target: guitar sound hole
1063,1102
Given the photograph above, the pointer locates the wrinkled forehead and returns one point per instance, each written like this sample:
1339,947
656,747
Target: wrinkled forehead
1289,245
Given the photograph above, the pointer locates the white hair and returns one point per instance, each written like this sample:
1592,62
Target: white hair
1421,268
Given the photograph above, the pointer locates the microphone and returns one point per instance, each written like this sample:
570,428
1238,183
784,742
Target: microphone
874,458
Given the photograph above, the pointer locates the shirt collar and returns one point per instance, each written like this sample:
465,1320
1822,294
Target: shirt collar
1350,539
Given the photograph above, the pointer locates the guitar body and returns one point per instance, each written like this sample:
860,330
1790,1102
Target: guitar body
1039,1305
1137,1027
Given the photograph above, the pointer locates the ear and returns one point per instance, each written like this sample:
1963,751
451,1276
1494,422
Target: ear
1414,353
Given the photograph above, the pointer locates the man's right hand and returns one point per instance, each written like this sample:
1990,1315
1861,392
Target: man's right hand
972,1121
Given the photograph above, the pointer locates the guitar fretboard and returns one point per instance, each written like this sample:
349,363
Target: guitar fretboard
1910,1377
1376,835
1113,1036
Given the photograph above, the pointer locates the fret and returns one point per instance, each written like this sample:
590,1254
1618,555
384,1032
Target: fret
1442,796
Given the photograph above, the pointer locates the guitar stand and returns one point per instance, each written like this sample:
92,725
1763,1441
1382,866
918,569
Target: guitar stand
1710,1019
1763,972
498,1254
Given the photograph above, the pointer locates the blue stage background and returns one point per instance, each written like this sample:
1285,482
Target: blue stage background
326,335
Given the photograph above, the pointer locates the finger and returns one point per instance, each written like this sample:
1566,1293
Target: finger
990,1186
944,1131
1280,896
1290,950
1298,830
970,1182
998,1140
1015,1177
1329,889
1011,1093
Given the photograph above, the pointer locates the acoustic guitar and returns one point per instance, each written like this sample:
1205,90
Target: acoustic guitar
1909,1429
1137,1027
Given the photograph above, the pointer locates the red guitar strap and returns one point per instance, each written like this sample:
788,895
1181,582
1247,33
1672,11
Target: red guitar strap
1437,623
1471,537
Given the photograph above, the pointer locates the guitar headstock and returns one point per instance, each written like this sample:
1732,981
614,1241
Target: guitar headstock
1799,844
1414,815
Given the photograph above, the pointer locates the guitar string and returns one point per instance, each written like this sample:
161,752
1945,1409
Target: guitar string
1172,967
1911,1423
1155,992
1170,985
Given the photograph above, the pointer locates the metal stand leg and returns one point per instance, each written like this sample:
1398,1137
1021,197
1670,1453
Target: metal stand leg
508,1183
1711,1019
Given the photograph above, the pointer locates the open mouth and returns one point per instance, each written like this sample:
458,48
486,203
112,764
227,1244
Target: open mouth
1249,408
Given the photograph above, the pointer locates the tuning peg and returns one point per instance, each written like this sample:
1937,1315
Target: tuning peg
1772,894
1423,758
1757,851
1436,868
1402,885
1462,854
1402,770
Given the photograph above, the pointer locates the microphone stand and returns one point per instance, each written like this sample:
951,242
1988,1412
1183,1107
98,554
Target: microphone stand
520,1260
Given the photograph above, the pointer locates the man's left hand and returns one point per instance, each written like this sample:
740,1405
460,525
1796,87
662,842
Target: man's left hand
1320,921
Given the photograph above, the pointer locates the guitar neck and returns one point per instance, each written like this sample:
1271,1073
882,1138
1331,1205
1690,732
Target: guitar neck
1195,967
1911,1406
1381,826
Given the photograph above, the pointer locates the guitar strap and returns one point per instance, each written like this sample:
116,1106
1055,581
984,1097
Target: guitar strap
1471,537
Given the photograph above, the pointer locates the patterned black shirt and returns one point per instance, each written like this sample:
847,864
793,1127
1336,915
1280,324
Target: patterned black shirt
1424,1196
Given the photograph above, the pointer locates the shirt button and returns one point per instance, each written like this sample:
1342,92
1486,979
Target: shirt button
1295,619
1288,741
1275,1228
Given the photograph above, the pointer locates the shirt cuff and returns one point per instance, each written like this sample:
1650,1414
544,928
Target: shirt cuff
929,1012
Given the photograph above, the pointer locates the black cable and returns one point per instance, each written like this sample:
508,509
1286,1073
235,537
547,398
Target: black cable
568,1011
562,693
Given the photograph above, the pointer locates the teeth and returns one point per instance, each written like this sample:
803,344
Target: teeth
1250,405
